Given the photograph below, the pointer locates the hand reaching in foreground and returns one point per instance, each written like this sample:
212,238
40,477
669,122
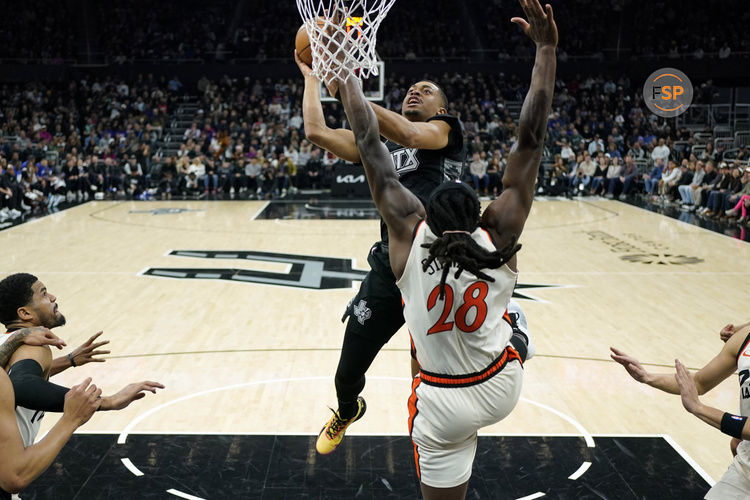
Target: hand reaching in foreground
81,401
87,352
128,394
40,335
632,365
688,390
540,27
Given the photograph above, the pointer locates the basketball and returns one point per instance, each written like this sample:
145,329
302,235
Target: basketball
302,44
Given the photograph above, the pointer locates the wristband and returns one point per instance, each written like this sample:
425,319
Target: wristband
70,358
732,425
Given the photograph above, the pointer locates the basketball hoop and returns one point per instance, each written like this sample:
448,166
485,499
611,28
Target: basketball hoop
343,36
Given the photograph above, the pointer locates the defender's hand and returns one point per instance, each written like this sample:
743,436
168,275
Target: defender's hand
541,27
85,352
81,401
128,394
688,391
39,336
632,365
726,332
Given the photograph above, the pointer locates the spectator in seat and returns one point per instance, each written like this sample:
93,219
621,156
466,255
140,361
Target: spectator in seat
253,176
687,191
660,151
626,175
478,170
715,199
669,178
601,174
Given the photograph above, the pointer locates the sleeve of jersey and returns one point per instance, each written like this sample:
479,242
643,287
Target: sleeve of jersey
32,390
456,137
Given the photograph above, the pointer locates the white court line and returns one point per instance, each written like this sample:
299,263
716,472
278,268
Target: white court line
132,468
538,494
260,211
124,434
581,470
180,494
689,460
571,421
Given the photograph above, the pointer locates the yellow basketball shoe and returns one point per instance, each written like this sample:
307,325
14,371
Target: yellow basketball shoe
333,432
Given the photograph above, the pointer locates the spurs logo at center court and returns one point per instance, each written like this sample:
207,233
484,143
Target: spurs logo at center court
304,271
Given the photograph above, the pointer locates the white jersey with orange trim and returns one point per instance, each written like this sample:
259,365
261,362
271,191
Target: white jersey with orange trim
735,483
463,333
29,421
743,370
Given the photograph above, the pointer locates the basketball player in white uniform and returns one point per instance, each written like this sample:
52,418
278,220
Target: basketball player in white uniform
19,463
735,355
452,269
25,303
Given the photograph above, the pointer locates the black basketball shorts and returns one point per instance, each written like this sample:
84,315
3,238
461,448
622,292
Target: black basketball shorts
376,313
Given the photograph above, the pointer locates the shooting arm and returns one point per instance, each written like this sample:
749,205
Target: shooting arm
340,141
420,135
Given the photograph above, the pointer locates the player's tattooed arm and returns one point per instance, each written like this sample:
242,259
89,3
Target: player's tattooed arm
398,206
506,216
36,336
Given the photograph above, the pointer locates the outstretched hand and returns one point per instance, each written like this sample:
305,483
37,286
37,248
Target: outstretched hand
632,365
540,27
86,352
81,401
688,390
128,394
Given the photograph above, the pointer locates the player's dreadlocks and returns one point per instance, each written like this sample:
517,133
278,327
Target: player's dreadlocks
453,214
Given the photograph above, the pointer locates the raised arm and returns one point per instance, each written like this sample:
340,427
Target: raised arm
19,466
420,135
398,206
506,216
338,141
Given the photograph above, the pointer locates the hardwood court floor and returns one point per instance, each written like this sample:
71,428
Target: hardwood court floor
245,356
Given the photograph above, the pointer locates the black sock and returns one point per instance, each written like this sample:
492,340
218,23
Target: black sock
347,409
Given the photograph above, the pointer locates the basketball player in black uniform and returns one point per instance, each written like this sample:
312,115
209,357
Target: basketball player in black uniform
427,148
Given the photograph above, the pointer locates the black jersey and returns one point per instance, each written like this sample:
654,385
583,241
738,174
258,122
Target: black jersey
422,170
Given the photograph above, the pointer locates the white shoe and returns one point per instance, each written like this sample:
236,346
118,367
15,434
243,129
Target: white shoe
14,214
514,308
25,207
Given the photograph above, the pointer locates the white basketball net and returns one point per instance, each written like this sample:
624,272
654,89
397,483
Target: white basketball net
343,36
